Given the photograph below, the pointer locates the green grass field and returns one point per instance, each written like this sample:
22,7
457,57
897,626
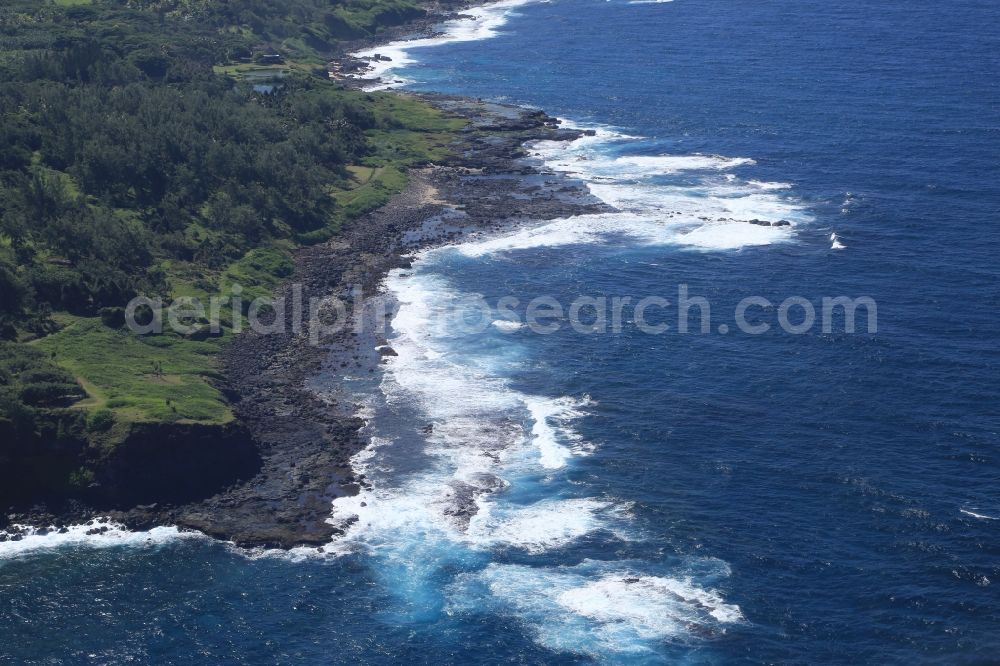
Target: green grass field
155,378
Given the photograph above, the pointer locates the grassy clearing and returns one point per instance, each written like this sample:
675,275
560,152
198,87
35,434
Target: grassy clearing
410,133
254,71
362,174
376,192
155,378
166,377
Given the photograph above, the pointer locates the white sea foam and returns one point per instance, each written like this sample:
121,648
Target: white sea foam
604,610
481,23
642,229
489,447
711,209
733,236
835,243
484,433
769,186
550,430
584,158
102,534
980,516
596,133
33,540
654,165
507,325
462,397
537,527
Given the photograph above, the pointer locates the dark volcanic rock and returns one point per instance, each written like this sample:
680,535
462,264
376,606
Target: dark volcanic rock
766,223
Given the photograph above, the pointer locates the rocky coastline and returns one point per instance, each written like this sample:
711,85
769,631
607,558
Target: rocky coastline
291,444
306,437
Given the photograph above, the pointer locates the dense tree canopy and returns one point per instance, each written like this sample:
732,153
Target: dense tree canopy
122,147
128,148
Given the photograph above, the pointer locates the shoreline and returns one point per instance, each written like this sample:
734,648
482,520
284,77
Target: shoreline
305,438
363,64
307,453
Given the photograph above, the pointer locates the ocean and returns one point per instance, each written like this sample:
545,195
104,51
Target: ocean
800,494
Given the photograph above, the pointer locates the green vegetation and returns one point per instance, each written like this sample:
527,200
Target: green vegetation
139,159
159,378
29,380
40,435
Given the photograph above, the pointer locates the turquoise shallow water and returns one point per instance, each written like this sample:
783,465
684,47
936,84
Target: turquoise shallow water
822,497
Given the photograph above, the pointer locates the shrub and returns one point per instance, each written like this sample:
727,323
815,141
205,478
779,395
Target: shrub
50,394
113,317
101,420
81,478
46,374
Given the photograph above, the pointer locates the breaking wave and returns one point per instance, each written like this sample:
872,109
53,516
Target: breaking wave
476,23
691,201
491,484
607,610
23,540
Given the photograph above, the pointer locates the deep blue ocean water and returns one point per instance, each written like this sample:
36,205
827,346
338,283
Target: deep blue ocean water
719,498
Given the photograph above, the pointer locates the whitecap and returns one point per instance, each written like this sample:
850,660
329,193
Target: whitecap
707,210
603,610
507,326
769,186
539,527
640,601
551,434
97,534
980,516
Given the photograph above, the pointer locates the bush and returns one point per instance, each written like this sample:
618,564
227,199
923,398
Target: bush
16,359
81,478
50,394
12,292
113,317
31,382
101,420
46,374
15,416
